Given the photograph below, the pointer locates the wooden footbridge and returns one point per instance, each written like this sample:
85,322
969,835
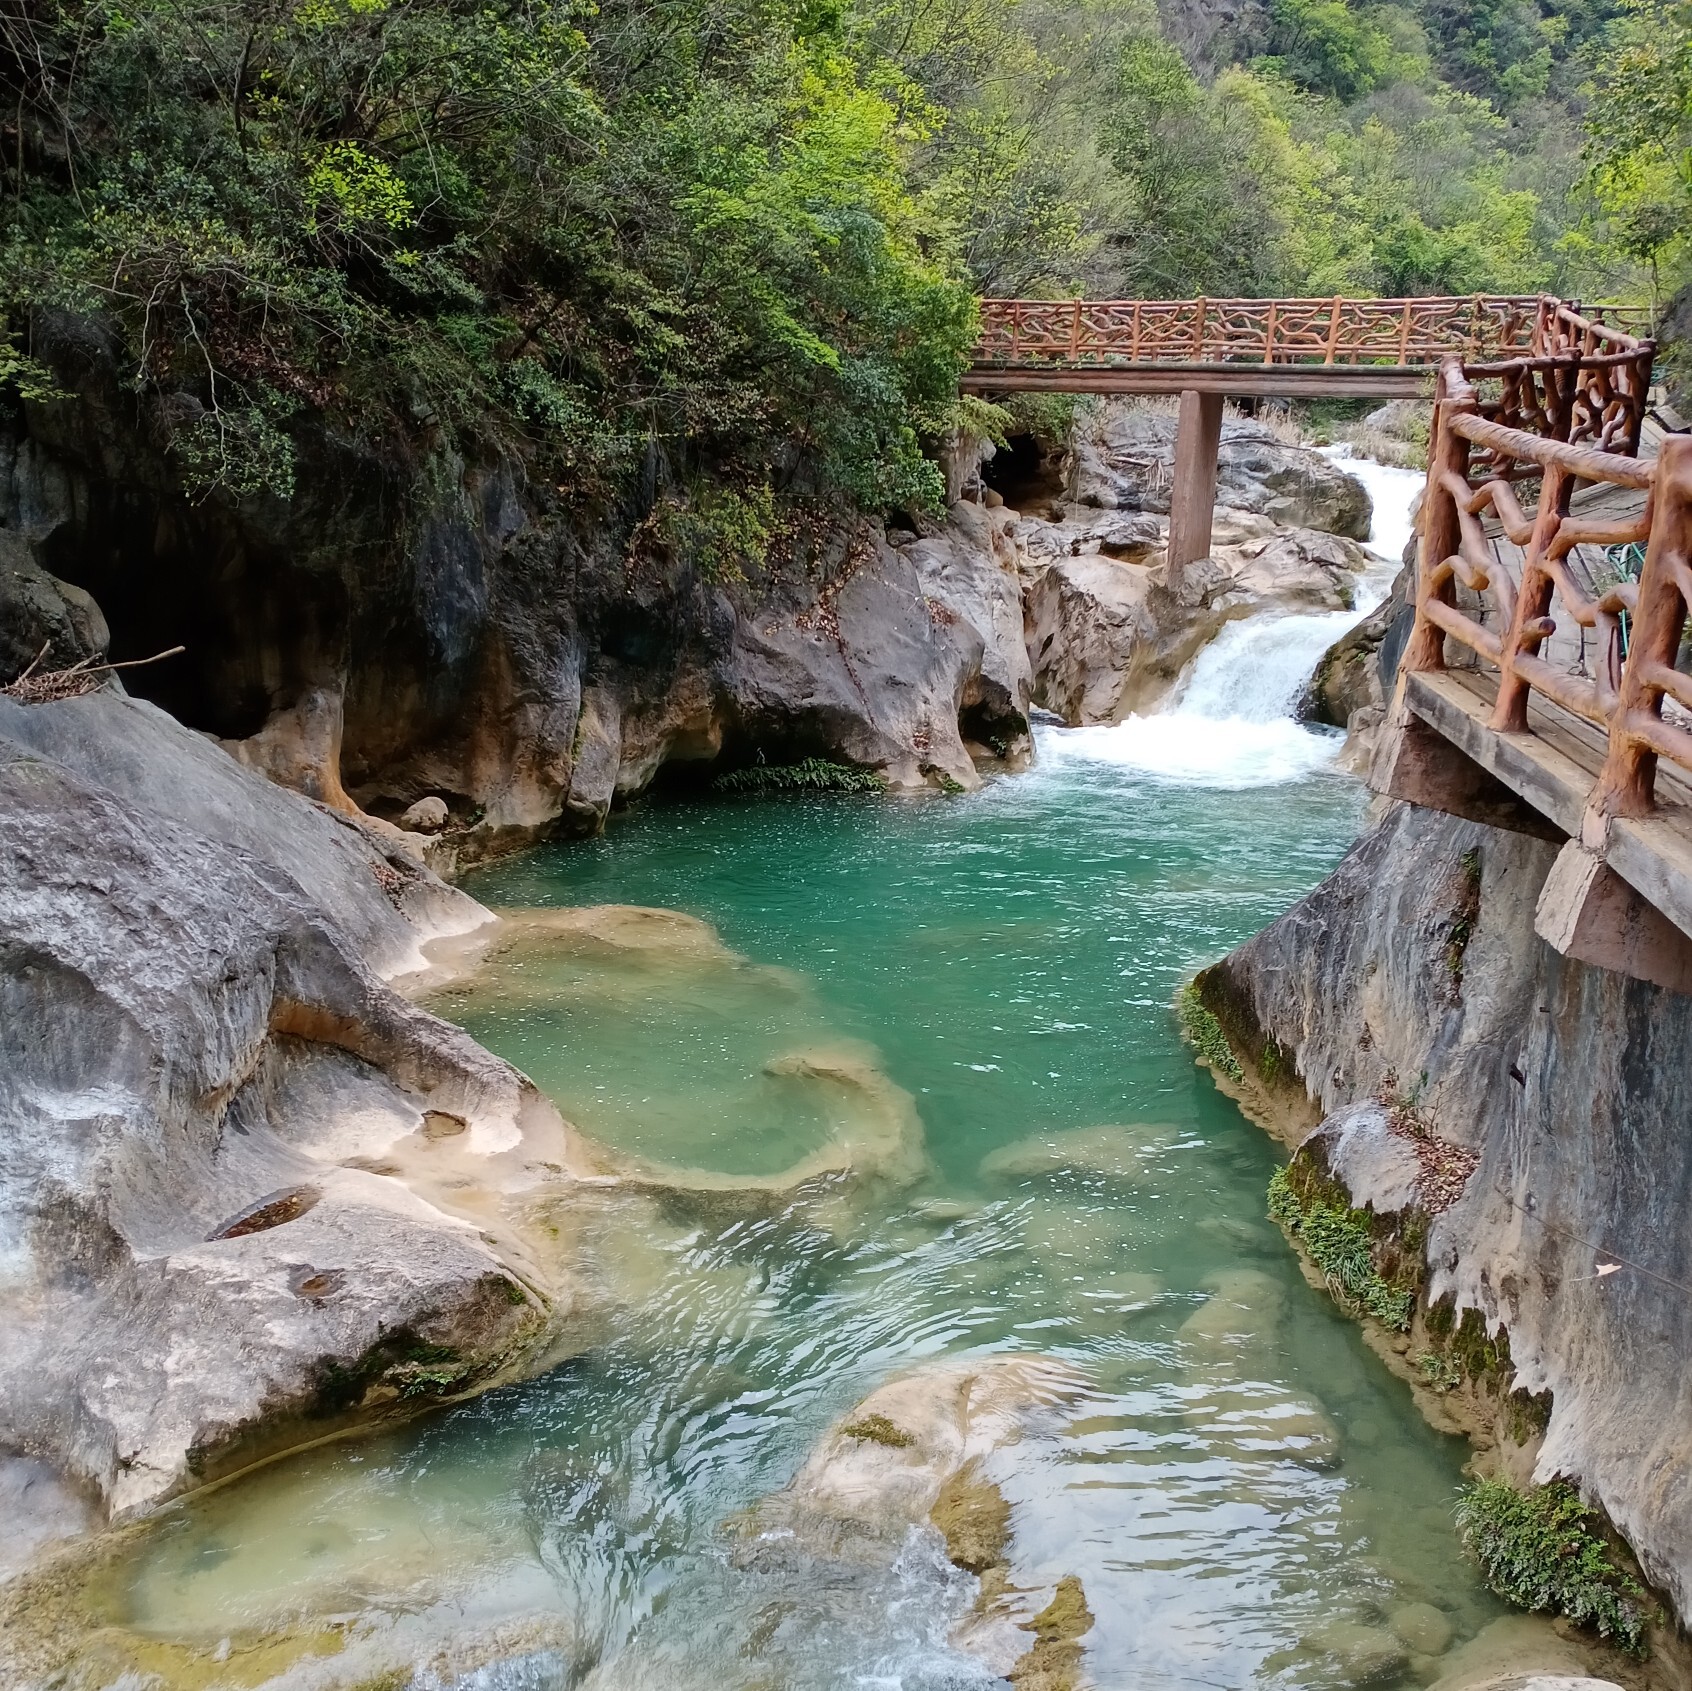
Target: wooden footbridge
1498,714
1211,350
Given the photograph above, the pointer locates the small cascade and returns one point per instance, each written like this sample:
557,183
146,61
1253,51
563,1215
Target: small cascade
1230,721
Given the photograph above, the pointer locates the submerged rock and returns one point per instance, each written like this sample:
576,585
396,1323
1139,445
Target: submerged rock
1111,1153
887,1463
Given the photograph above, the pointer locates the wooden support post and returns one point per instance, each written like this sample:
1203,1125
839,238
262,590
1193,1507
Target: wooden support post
1588,912
1192,494
1627,781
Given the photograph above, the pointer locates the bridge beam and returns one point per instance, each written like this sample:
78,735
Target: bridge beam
1192,492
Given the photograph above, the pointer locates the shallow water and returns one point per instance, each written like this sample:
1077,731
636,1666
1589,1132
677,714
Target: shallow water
977,978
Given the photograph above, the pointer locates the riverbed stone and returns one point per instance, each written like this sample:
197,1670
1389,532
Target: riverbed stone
1108,1152
1422,1628
1364,1655
1510,1652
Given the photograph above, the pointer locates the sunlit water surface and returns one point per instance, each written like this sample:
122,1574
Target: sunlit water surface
1241,1473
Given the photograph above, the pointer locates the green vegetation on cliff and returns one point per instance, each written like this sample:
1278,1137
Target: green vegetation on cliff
711,265
1339,1241
1541,1550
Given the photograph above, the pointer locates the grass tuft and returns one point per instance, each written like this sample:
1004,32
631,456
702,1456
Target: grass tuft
1205,1033
1338,1241
1539,1550
814,775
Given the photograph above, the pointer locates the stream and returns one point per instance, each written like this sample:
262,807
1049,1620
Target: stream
1246,1501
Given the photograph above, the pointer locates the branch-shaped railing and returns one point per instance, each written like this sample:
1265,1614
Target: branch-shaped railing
1564,415
1409,333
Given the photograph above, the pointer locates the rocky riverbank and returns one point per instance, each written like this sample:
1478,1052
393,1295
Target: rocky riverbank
1513,1121
444,631
252,1193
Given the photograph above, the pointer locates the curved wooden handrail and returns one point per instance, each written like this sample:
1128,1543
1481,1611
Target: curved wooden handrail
1567,413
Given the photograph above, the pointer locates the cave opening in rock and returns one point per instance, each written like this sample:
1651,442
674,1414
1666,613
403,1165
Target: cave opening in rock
1025,471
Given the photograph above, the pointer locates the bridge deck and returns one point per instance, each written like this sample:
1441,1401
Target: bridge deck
1553,768
1238,381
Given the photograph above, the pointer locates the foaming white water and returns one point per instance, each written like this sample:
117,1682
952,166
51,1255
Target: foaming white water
1231,721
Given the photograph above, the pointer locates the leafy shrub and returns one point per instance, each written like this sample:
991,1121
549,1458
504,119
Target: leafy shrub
814,775
1338,1241
1205,1033
1538,1550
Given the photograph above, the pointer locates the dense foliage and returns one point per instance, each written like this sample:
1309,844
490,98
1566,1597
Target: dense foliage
712,262
1541,1550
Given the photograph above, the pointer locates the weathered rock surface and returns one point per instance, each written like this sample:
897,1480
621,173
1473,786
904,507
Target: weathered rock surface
203,1254
43,621
1124,457
1417,958
412,624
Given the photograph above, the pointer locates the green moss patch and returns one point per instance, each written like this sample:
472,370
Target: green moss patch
1340,1242
973,1517
813,775
1541,1550
1054,1662
1205,1033
877,1429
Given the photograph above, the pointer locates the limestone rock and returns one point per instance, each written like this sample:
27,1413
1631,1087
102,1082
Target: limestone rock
1571,1084
41,616
1357,673
1364,1655
1109,633
884,1464
1112,1153
916,645
1421,1628
427,816
1378,1166
1124,460
1511,1654
201,1070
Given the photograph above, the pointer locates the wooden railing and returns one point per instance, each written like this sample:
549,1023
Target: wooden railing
1567,415
1404,333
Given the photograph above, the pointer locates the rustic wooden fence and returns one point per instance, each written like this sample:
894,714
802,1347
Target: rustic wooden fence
1565,413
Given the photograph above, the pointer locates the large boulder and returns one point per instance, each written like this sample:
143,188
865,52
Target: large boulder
43,621
1357,672
248,1192
1124,459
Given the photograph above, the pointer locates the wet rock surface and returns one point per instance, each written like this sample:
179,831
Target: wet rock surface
197,1061
1110,630
1414,971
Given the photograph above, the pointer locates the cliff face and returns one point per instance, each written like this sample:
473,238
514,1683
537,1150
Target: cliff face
1413,974
422,624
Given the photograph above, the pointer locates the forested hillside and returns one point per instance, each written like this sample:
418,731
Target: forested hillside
712,261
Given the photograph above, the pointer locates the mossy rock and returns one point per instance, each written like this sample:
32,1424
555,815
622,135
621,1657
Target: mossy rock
877,1429
973,1516
1054,1662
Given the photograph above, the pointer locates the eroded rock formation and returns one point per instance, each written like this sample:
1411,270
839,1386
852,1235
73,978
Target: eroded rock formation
1413,975
198,1057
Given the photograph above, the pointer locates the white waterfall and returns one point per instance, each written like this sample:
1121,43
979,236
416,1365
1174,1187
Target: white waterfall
1229,721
